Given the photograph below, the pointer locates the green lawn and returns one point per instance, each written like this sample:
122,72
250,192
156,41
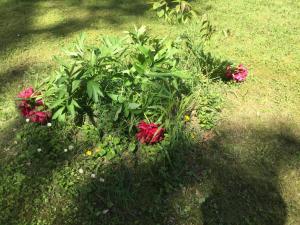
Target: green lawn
245,171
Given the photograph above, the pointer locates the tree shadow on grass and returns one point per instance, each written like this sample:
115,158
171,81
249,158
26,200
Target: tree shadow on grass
238,191
111,12
227,178
246,187
18,16
17,20
9,77
27,173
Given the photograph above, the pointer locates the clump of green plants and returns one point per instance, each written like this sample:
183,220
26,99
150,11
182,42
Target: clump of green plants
120,83
133,88
179,11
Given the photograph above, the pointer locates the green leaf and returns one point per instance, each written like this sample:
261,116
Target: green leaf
81,40
113,97
133,105
116,140
174,82
117,98
160,13
93,58
126,112
58,113
71,108
118,113
62,117
157,5
75,103
75,84
93,90
57,103
128,83
144,50
139,68
132,147
110,154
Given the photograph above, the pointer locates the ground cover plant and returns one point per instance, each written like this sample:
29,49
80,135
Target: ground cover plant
243,169
179,11
134,86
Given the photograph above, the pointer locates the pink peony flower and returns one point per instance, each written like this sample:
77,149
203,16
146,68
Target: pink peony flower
25,110
27,93
239,74
39,102
228,72
39,117
149,133
28,106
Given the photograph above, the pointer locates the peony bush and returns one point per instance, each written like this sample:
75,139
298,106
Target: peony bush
136,86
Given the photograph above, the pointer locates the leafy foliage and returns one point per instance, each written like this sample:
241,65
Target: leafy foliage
123,81
135,78
179,11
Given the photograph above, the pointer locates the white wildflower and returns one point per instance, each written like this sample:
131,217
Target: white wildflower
101,179
93,175
49,124
80,171
65,150
71,147
39,150
105,211
27,120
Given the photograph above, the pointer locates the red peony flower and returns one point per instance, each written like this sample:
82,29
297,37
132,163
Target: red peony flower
239,74
228,72
39,102
25,108
27,93
149,133
28,106
39,117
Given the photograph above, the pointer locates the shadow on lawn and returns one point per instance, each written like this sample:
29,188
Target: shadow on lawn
239,189
241,192
14,75
17,17
25,172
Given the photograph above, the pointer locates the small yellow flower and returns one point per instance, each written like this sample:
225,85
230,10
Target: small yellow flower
88,153
187,118
97,149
